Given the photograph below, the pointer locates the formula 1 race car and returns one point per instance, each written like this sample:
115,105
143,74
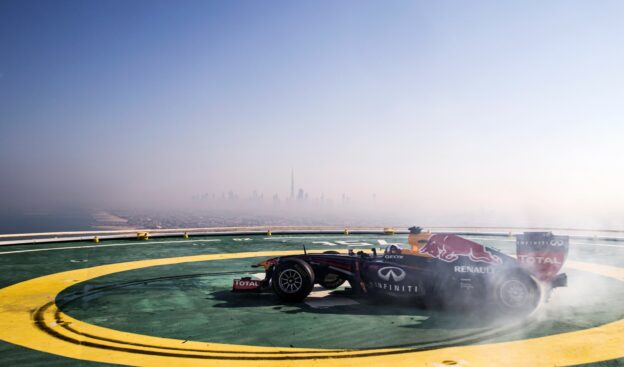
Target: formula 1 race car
442,267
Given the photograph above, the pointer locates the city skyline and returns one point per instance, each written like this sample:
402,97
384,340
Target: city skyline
255,196
488,112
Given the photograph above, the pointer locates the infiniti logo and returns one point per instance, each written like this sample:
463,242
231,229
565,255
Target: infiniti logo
391,273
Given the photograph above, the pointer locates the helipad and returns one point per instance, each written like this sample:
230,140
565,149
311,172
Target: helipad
166,301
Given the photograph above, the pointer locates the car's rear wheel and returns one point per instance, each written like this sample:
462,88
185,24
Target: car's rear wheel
293,280
516,293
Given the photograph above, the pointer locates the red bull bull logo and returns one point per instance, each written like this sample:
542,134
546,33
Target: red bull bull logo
449,248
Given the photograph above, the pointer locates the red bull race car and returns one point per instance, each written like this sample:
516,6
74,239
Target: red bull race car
441,267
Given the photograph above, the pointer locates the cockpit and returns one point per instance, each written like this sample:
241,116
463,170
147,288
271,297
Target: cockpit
393,249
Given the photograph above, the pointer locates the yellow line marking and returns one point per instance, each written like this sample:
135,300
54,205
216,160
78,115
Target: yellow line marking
29,317
106,245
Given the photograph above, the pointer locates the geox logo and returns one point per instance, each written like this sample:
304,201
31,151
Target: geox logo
391,273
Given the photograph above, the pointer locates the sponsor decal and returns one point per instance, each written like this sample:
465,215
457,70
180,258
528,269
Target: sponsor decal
396,288
391,273
554,242
465,284
474,269
449,248
542,241
526,259
393,256
246,284
542,253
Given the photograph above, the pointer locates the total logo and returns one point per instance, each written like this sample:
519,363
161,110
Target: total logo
526,259
246,284
391,273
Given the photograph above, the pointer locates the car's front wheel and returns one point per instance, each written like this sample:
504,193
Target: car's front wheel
293,280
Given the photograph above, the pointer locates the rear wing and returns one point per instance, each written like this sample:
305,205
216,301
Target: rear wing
542,253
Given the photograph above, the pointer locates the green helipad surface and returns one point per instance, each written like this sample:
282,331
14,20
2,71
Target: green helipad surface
191,301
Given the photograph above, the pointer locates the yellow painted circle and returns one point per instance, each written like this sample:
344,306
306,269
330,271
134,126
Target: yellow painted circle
30,318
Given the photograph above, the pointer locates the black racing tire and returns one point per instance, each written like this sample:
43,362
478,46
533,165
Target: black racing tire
331,281
516,293
293,280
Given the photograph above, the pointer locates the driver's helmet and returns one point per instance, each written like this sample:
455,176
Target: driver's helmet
393,249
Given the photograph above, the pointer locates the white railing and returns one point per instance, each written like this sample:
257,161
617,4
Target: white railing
48,237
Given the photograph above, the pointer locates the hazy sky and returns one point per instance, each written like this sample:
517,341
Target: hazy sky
507,110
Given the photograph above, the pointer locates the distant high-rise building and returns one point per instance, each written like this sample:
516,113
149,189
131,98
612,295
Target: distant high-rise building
292,183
